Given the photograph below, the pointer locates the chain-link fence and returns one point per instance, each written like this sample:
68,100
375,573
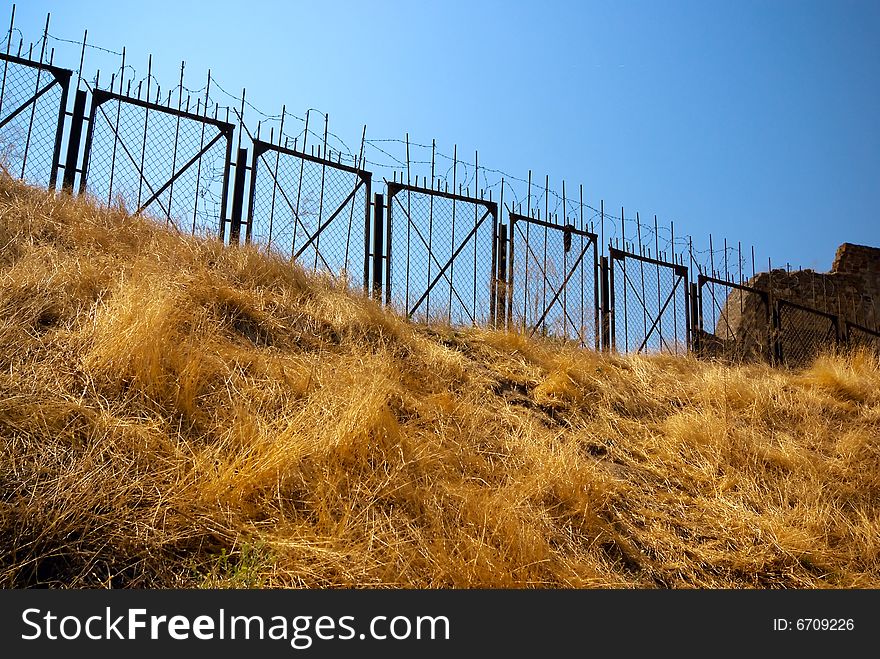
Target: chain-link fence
33,98
803,333
448,259
735,321
649,301
859,337
552,280
166,163
310,209
442,255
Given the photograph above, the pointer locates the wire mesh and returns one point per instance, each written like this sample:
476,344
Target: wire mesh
649,305
441,256
804,334
736,322
310,210
553,281
27,140
858,337
137,150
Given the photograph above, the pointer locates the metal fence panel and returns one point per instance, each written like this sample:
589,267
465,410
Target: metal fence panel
165,162
312,209
448,259
649,301
442,255
735,321
803,333
552,280
858,336
33,98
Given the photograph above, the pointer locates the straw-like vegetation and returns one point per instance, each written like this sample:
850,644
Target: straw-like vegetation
175,413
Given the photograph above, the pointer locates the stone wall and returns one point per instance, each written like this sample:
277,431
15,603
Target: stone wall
862,265
850,290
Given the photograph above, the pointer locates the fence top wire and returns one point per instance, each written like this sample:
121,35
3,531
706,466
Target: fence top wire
392,155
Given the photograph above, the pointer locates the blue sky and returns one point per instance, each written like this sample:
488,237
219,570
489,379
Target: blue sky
758,122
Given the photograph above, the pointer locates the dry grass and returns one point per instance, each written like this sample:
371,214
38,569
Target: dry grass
178,414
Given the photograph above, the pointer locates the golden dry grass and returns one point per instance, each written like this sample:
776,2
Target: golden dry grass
174,413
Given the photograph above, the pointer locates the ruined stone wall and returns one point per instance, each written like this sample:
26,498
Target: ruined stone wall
850,290
862,265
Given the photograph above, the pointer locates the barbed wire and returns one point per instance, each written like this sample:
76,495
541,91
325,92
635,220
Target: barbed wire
620,229
80,43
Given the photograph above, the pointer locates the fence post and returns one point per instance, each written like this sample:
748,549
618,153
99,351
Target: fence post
64,81
776,332
368,194
378,247
605,308
696,317
768,306
238,197
76,124
252,189
501,279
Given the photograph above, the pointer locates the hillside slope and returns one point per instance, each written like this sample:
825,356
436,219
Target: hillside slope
174,413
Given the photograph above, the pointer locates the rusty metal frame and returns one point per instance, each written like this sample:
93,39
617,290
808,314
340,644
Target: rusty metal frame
394,188
766,299
678,270
363,179
61,77
567,230
225,130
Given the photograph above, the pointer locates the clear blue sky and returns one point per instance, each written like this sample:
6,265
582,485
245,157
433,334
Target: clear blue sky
756,121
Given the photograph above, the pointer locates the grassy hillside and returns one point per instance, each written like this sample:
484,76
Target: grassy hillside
174,413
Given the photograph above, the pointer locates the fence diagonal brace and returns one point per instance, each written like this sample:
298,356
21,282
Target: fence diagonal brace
561,288
660,315
327,222
464,242
540,267
32,99
179,173
590,243
537,260
433,258
293,209
635,291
